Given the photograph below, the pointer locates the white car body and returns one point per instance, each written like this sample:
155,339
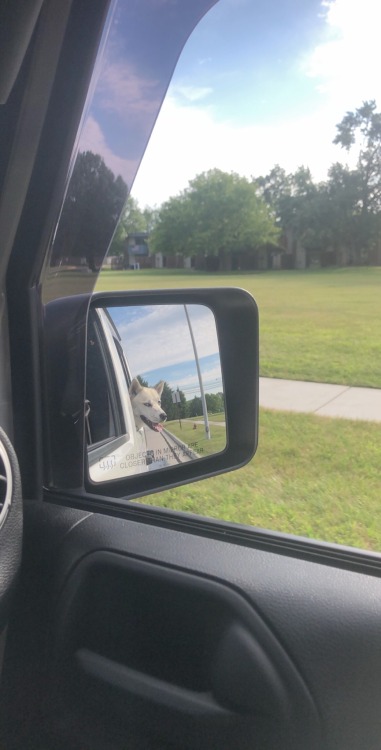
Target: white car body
124,454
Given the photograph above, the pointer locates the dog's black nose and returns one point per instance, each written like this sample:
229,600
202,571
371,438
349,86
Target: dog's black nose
163,417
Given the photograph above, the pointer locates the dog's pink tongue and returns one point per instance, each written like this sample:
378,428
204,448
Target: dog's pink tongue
159,427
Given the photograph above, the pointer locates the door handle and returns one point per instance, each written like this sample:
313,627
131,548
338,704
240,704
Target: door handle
243,680
140,685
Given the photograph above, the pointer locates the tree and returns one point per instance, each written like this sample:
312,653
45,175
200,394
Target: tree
276,189
296,203
195,407
218,215
341,215
214,403
93,203
132,220
167,402
172,410
362,128
151,217
341,219
171,233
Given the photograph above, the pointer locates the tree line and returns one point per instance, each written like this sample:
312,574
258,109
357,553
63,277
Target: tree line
226,219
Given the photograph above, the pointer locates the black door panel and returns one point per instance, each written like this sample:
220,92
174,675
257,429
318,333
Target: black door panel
184,654
171,639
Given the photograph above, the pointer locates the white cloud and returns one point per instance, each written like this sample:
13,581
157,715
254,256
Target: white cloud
132,102
346,65
93,139
192,93
119,84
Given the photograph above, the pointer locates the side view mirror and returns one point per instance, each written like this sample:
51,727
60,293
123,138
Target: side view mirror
158,389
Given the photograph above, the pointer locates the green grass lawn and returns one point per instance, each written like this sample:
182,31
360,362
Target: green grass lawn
314,325
196,437
220,417
312,476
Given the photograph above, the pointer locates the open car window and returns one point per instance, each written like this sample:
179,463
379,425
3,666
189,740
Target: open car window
104,416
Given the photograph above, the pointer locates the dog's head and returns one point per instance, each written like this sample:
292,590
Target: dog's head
146,405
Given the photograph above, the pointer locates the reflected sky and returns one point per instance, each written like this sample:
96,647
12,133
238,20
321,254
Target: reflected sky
158,345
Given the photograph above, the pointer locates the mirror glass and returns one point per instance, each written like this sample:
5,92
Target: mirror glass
154,391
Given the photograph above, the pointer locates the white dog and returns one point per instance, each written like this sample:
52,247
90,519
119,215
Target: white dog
146,405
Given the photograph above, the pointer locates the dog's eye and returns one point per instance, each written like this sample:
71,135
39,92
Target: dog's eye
159,402
148,403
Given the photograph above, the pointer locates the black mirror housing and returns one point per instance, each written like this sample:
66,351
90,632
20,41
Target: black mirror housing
236,318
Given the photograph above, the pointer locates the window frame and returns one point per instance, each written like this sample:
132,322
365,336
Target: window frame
96,449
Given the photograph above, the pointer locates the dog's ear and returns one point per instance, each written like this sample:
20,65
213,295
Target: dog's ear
135,387
159,387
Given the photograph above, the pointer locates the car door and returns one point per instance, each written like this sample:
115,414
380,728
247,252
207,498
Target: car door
136,626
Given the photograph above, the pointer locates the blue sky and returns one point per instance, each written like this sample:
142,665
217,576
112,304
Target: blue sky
261,82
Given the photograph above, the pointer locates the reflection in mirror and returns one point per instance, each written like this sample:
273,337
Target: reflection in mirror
154,391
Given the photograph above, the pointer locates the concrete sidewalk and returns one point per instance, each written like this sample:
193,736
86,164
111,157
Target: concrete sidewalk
324,399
